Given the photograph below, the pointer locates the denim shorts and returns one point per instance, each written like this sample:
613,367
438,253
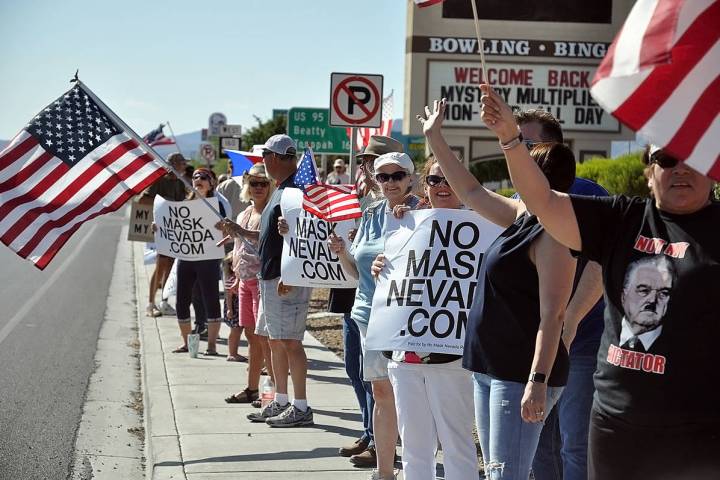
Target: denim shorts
283,318
375,364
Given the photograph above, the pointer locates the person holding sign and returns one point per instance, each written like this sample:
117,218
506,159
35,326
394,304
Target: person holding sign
205,272
660,258
393,173
433,393
513,343
246,265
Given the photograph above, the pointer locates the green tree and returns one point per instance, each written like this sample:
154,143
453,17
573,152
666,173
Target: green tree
258,134
621,175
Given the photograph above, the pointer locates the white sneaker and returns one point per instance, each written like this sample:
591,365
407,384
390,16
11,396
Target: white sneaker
375,475
166,308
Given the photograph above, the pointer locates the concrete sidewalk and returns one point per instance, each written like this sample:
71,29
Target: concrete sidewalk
191,433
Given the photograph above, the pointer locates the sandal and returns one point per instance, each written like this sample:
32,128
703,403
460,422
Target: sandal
211,353
246,396
257,403
181,349
236,358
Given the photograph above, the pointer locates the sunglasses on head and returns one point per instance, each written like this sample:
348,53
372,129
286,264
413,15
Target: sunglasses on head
663,160
395,176
258,183
436,180
201,176
530,144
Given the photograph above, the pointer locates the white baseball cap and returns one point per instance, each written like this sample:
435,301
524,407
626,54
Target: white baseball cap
402,160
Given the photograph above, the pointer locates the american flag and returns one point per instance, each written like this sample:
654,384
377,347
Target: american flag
427,3
661,77
332,203
364,134
71,163
157,137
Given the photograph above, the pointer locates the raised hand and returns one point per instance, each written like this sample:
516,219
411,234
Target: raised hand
497,115
432,120
377,265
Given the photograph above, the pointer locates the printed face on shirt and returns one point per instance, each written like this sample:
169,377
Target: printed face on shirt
646,294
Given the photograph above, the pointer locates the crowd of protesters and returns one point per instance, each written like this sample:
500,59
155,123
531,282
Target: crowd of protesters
536,333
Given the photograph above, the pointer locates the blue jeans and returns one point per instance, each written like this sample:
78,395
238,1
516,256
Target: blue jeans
507,442
562,451
353,367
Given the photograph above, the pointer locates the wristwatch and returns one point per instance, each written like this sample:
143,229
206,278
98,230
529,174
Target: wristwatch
536,377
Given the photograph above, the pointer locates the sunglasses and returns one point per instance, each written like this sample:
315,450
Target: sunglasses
663,160
530,144
395,176
266,153
436,180
201,176
254,183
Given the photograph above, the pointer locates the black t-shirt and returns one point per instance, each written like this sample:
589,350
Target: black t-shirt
271,242
505,315
658,361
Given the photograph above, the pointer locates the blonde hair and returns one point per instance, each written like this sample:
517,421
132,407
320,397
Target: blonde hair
258,171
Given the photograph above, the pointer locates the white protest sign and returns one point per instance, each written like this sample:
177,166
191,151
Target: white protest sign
424,294
185,230
306,258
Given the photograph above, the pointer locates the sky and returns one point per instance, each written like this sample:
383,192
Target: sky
152,61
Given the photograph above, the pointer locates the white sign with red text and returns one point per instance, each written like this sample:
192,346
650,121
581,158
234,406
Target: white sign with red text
563,90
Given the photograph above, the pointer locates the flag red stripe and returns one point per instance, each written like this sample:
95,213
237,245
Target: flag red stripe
26,173
697,122
56,174
66,194
21,149
429,3
657,40
607,64
92,200
51,251
644,102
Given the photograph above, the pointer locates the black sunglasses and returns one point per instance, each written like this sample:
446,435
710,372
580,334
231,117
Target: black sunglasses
201,176
663,160
254,183
386,177
435,180
266,153
530,144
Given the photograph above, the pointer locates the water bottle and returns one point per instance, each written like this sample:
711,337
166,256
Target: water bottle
267,392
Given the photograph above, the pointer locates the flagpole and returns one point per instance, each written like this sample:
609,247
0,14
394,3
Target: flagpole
167,122
479,39
149,149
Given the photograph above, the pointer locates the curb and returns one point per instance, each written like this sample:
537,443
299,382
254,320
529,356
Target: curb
162,445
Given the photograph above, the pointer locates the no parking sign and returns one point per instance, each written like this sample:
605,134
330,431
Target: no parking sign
356,100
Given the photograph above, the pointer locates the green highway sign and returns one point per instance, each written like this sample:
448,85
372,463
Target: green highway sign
309,128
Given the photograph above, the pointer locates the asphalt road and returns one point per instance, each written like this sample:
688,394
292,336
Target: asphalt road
49,324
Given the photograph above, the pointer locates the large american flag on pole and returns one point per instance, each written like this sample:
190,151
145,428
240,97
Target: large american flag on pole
661,77
332,203
72,162
364,133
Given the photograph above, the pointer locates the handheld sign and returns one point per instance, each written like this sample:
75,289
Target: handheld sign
141,218
185,230
425,291
306,258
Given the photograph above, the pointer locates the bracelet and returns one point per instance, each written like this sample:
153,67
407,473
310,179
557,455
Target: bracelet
512,143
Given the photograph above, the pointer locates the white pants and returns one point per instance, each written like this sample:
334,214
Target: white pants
435,402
